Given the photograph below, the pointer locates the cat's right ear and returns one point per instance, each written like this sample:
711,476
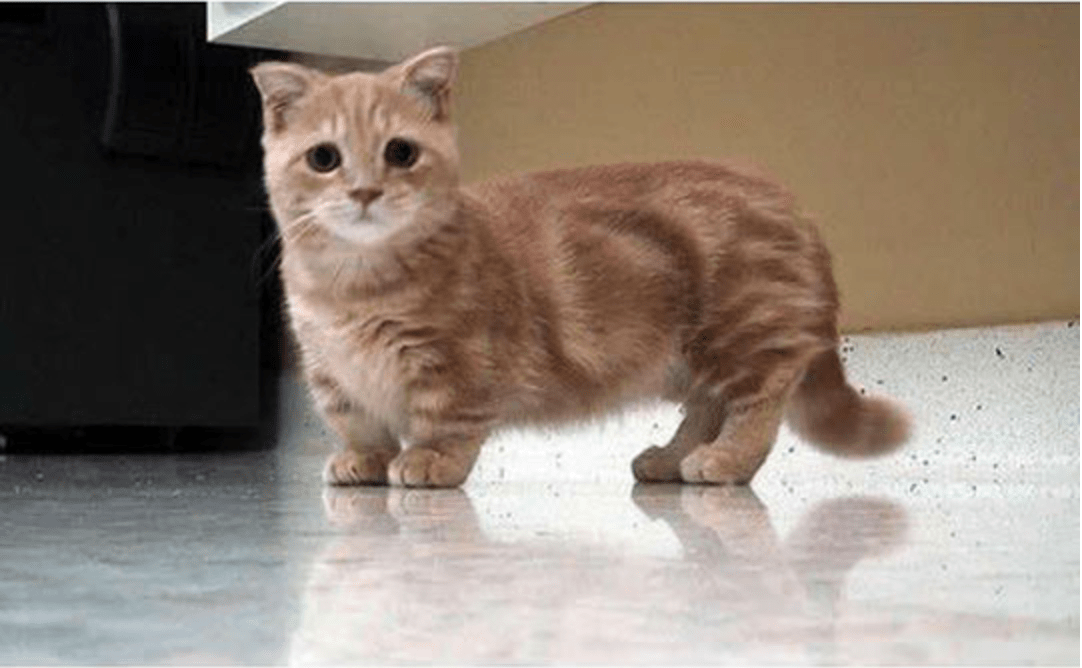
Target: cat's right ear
281,85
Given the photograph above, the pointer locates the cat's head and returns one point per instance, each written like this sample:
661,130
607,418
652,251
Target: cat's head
355,158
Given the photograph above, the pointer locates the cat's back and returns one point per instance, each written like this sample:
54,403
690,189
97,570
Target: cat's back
680,192
656,183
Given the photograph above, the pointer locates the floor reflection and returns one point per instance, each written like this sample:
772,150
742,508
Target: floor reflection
413,577
784,591
139,559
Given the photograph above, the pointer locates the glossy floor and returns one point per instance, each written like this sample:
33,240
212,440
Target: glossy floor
962,549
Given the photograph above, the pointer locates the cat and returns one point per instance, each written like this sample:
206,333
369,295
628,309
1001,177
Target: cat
429,314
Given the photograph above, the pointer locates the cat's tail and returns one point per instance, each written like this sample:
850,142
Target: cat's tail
826,411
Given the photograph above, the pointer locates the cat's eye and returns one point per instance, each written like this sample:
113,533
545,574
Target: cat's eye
323,158
401,153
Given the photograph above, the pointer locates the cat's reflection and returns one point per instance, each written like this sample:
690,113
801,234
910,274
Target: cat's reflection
413,577
787,591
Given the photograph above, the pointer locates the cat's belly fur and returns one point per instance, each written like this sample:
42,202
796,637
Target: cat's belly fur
664,375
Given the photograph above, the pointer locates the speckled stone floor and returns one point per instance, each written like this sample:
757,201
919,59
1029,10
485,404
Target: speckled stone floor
961,549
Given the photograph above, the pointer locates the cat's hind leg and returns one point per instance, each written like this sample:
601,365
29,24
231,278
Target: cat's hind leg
746,436
740,449
367,446
702,423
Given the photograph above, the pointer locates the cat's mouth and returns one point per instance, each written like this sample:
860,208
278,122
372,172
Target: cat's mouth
359,219
366,216
361,227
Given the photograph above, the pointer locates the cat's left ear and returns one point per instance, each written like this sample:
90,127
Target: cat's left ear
430,76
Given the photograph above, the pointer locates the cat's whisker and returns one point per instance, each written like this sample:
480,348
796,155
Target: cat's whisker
273,244
272,266
292,231
302,221
332,289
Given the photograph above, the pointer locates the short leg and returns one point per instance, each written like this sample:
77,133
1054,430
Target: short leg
447,426
355,465
368,447
443,462
741,447
701,424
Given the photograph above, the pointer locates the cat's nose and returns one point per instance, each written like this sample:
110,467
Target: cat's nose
365,195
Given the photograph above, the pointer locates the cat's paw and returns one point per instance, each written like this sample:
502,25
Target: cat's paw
352,467
715,466
425,467
655,464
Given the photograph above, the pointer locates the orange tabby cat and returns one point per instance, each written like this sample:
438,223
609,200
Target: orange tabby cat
429,314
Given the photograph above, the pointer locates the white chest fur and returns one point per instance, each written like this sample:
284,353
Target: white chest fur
369,373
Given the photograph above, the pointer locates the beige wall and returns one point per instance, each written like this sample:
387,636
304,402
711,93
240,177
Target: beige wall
936,144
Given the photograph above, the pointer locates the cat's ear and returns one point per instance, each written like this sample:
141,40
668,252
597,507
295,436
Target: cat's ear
429,76
281,85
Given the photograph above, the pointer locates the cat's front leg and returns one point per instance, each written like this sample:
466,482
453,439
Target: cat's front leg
447,424
352,466
367,447
443,462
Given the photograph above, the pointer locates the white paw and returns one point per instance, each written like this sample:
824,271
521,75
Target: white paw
424,467
714,466
350,467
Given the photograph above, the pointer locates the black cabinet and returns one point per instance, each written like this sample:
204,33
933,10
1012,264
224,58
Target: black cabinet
131,220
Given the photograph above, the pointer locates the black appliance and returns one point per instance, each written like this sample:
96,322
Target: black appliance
134,242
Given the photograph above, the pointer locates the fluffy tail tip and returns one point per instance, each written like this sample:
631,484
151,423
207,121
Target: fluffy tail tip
856,426
884,426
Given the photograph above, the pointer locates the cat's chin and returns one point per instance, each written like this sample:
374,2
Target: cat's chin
365,231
